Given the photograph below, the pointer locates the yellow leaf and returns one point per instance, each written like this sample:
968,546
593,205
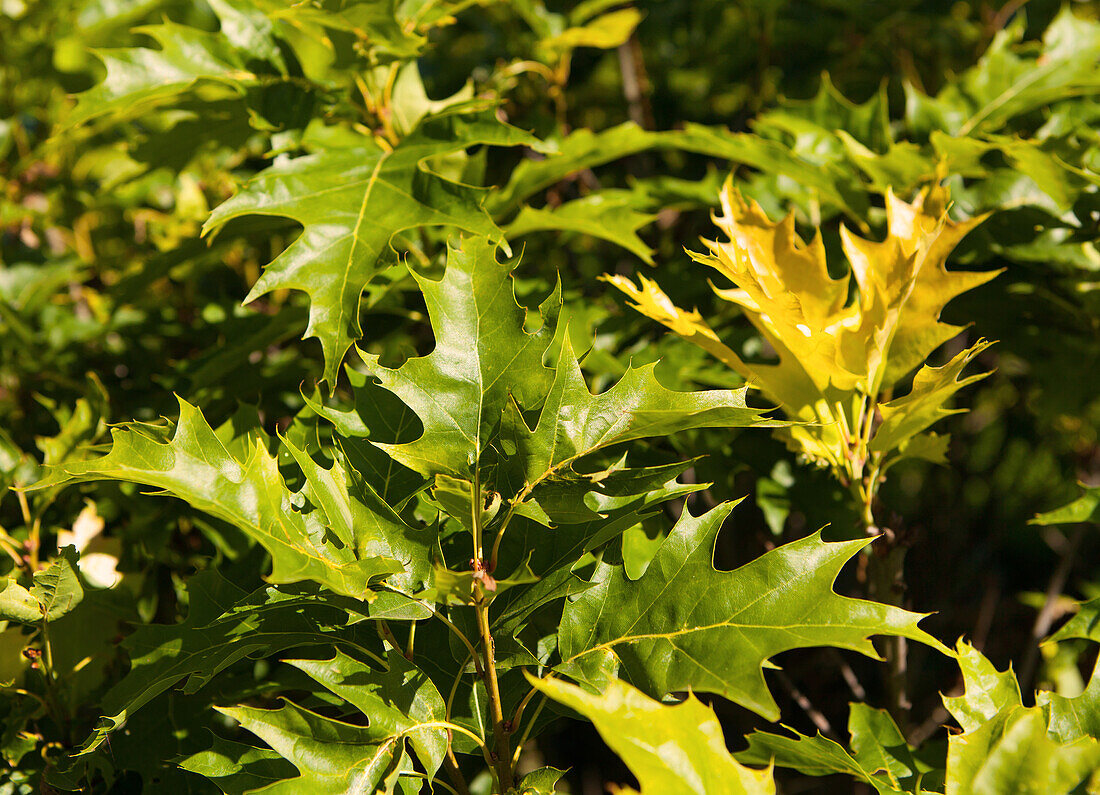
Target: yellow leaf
835,351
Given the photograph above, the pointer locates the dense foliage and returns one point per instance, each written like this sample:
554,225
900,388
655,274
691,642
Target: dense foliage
469,463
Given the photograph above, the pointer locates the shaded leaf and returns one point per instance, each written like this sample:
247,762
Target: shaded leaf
329,755
539,782
238,768
224,624
608,215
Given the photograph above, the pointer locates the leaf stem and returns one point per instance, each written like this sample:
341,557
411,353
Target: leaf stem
450,625
502,753
387,635
52,700
35,525
529,728
475,511
385,112
12,547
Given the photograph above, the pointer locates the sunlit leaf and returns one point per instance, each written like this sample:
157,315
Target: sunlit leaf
684,624
351,202
678,750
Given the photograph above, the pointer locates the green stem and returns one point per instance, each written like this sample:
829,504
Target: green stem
886,584
502,753
52,697
528,729
475,512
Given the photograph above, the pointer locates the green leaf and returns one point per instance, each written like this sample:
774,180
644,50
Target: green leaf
351,202
605,32
470,394
812,756
195,466
331,757
671,750
583,149
1014,753
410,102
377,24
462,587
57,587
878,744
398,701
684,624
812,123
1069,719
379,415
17,603
1039,161
238,768
823,183
539,782
574,423
607,214
988,692
483,359
1085,623
363,521
224,625
902,166
580,150
250,30
1013,78
140,78
1085,508
1079,716
1006,747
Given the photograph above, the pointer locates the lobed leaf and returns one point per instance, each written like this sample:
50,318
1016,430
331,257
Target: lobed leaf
139,78
249,493
224,624
399,701
351,202
672,750
684,624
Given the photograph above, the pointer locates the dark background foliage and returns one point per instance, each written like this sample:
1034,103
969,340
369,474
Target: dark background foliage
110,302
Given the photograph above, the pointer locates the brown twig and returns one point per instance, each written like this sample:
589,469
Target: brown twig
800,698
636,86
1046,615
986,611
849,675
1006,12
929,727
458,781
